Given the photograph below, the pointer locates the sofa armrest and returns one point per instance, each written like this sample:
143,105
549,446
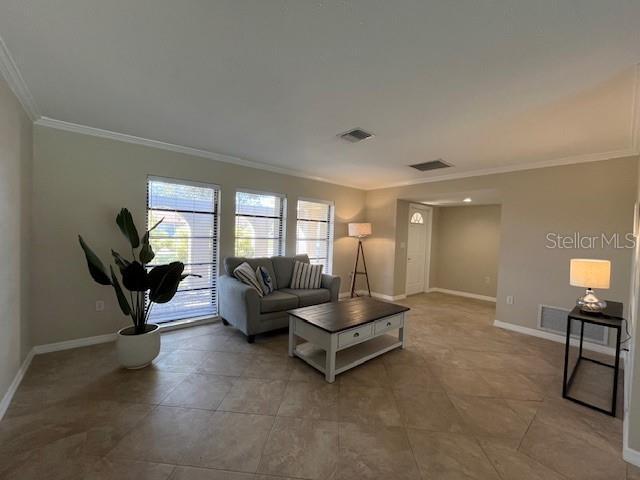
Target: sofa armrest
332,282
239,304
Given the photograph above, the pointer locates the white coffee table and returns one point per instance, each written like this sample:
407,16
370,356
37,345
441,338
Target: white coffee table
338,336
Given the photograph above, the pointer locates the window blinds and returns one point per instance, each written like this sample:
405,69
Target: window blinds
189,234
314,232
259,224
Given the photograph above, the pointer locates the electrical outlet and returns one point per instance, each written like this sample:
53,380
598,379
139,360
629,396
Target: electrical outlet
510,300
99,306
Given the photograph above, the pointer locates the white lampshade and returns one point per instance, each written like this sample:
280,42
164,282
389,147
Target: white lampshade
359,230
589,273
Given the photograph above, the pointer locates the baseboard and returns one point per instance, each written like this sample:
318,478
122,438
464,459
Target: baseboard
381,296
6,400
75,343
630,455
554,337
463,294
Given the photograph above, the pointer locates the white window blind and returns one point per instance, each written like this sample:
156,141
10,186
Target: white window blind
189,234
314,232
260,224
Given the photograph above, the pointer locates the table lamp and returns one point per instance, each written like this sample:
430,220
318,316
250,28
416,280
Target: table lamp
360,231
590,274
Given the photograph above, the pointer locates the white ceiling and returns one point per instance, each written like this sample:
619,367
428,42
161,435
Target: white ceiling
456,199
483,85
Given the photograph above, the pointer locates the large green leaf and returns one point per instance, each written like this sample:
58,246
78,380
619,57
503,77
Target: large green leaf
122,300
96,267
146,253
128,228
164,281
135,277
120,260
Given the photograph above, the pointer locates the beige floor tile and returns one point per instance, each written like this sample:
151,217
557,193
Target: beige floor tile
577,457
489,416
199,391
413,375
254,395
148,385
511,385
368,405
277,367
113,469
302,448
525,408
450,456
194,473
372,373
303,372
218,343
423,409
512,464
164,436
310,400
231,441
225,363
633,472
375,452
180,361
460,381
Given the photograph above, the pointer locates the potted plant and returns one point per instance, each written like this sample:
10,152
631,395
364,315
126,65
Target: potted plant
139,344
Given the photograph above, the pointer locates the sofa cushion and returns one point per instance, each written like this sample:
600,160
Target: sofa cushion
278,301
309,296
283,266
231,263
306,275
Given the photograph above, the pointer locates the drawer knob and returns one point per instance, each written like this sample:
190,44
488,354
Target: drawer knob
388,324
356,334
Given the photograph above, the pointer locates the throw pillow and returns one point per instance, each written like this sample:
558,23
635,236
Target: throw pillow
245,274
306,275
264,279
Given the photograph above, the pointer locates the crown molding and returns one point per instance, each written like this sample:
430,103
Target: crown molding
591,157
9,70
123,137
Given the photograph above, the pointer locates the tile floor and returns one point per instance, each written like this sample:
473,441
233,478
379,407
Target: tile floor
465,400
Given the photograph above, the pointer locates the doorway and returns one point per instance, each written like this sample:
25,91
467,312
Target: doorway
418,248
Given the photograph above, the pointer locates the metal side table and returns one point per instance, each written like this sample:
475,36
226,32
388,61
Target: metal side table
611,317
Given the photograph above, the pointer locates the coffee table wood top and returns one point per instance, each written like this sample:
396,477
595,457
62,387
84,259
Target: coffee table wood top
337,316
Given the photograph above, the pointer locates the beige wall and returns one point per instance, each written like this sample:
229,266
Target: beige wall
588,198
15,181
467,245
80,182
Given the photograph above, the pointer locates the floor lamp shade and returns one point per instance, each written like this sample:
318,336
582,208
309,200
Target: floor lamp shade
359,230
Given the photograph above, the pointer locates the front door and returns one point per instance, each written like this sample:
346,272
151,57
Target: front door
417,248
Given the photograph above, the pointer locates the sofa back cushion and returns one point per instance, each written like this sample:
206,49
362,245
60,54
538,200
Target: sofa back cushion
231,263
283,267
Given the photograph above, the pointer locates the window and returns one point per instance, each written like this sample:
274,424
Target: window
417,218
314,232
189,234
260,220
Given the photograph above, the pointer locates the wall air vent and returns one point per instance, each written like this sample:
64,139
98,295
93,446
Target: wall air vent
554,319
432,165
355,135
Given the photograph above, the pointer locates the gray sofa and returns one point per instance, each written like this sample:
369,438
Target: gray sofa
242,307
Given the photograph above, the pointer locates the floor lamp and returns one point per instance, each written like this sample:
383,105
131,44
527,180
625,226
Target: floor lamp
360,231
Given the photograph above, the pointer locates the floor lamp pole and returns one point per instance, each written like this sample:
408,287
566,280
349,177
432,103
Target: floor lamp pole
360,251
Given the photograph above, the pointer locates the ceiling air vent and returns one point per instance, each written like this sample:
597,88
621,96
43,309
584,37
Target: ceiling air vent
355,135
432,165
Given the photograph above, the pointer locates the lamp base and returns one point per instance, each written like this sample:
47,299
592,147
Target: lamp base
589,303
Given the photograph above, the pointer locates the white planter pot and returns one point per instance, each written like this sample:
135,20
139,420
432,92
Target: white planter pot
137,351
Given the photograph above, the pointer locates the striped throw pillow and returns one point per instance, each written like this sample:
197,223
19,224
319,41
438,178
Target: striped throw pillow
264,279
306,275
245,274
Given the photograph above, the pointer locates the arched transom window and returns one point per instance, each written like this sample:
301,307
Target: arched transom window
417,218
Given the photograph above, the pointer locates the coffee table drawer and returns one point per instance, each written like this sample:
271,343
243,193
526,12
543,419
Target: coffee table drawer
354,335
389,323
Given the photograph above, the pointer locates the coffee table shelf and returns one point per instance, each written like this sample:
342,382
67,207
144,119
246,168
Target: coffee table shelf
349,357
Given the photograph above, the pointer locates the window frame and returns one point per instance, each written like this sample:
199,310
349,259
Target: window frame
282,243
330,230
216,215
